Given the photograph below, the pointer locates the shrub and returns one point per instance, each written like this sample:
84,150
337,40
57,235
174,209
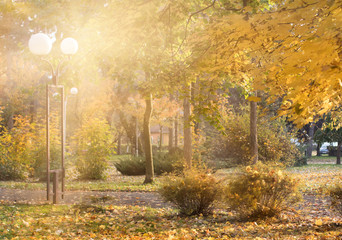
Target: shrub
39,151
39,165
131,165
94,143
261,191
193,193
168,162
162,162
335,193
274,141
302,161
16,149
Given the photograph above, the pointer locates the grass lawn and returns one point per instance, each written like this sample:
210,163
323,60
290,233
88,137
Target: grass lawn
116,183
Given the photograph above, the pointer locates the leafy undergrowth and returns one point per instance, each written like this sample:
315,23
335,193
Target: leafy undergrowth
131,222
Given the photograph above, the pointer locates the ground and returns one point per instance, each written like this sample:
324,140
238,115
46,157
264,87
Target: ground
140,213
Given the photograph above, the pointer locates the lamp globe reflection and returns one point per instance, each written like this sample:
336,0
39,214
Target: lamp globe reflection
73,91
40,44
69,46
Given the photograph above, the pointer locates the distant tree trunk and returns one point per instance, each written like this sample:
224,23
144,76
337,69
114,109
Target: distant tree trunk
147,140
338,154
318,149
176,131
119,144
310,142
171,135
161,138
253,132
10,84
194,93
129,126
187,130
136,148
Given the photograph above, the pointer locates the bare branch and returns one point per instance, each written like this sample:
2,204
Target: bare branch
188,21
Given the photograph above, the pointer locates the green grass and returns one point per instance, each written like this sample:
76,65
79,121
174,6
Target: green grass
324,156
116,183
120,183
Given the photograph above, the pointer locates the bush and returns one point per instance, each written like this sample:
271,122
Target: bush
302,161
274,142
261,191
193,193
16,150
39,165
131,166
94,143
335,193
162,162
168,162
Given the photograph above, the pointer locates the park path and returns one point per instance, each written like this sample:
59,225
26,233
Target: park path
150,199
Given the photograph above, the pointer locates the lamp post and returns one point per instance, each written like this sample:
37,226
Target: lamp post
40,44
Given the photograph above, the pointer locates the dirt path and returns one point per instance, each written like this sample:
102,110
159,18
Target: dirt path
81,197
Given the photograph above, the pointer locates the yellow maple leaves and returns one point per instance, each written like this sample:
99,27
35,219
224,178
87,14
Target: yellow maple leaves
291,52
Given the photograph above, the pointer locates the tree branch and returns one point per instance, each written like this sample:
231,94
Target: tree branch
188,21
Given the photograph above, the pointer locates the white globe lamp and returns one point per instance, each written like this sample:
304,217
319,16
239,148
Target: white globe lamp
40,44
73,91
69,46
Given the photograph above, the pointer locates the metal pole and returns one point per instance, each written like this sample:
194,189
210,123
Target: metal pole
63,138
47,143
136,137
55,186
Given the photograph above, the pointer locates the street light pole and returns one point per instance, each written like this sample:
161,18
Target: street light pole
41,44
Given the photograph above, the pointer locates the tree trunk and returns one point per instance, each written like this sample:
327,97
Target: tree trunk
119,144
147,141
187,130
171,135
318,149
310,142
136,148
161,138
253,130
176,131
130,127
11,85
338,154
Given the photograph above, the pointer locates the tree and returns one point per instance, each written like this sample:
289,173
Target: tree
273,48
331,132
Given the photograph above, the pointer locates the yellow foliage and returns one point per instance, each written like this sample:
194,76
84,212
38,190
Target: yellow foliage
293,54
